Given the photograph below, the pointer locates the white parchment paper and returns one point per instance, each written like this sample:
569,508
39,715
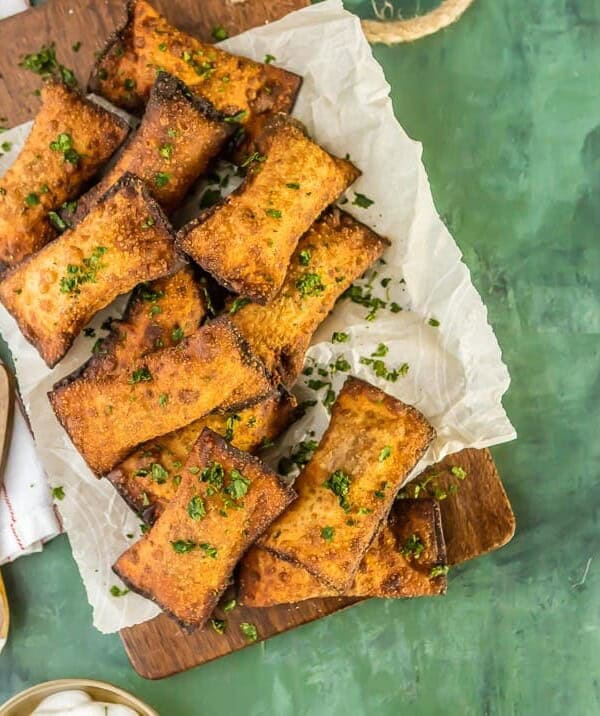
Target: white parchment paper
456,376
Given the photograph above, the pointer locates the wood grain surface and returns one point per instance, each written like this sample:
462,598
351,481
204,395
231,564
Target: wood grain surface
476,520
90,22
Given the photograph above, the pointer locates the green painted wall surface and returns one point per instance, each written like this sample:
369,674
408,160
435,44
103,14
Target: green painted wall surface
507,105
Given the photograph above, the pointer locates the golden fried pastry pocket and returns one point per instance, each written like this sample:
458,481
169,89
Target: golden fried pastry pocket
178,138
124,240
149,478
406,559
184,563
70,140
347,489
147,43
246,241
335,251
159,314
107,417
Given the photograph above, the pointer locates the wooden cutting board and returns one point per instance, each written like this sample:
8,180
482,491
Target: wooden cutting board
476,520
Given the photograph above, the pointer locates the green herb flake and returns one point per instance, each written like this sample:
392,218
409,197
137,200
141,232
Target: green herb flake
177,334
238,485
385,453
433,322
213,474
413,547
395,308
57,221
6,146
238,304
339,337
439,571
382,350
218,625
230,427
273,213
251,158
32,199
117,591
196,508
293,185
269,58
161,179
249,631
58,493
310,284
76,46
45,64
362,201
141,375
129,84
237,118
162,46
339,483
181,546
304,257
148,222
158,473
327,533
166,151
209,550
341,365
86,272
209,198
229,606
219,33
458,471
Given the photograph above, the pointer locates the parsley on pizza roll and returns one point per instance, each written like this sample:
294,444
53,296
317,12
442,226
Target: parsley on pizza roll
123,241
70,140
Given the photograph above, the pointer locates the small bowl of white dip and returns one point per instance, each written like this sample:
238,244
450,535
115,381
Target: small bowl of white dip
75,697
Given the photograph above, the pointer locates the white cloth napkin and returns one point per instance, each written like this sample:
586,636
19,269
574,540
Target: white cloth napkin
12,7
27,516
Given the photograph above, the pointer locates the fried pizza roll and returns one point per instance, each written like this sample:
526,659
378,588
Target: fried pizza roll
345,492
126,70
246,240
406,559
185,562
107,418
149,478
159,315
178,138
70,140
335,251
123,241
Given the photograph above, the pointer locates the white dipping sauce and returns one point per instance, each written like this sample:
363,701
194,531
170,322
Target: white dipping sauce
78,703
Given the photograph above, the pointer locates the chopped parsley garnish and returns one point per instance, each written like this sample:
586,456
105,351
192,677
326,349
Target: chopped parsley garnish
385,453
45,64
158,473
86,272
304,257
458,471
58,492
433,322
6,146
273,213
57,221
413,547
230,427
181,546
309,284
293,185
209,550
238,304
76,46
339,483
341,364
236,118
148,294
200,68
161,179
439,571
166,151
249,631
339,337
229,606
219,33
213,474
177,334
117,591
300,456
162,46
395,308
362,201
209,198
238,486
382,350
254,157
381,370
327,534
64,143
269,59
129,84
218,625
141,375
196,509
32,199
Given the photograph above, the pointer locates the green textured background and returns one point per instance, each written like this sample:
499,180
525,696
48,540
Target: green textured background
507,106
